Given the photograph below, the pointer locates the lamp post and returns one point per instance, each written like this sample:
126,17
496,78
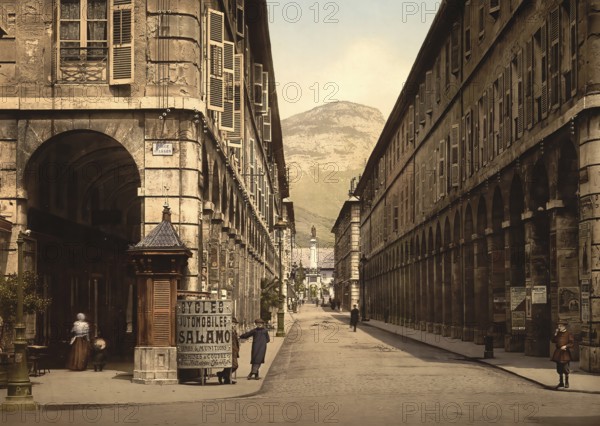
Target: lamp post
280,227
363,291
18,395
294,290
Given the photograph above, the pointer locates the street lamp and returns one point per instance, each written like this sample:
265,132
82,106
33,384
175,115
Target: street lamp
363,309
280,226
18,395
294,289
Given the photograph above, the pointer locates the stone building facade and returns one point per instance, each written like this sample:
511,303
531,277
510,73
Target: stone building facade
347,254
479,201
111,109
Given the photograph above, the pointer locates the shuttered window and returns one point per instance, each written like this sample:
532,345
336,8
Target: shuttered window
235,137
161,313
227,116
554,45
216,46
258,84
454,140
121,42
240,18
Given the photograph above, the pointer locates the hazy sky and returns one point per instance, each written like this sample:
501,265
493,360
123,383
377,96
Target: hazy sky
346,50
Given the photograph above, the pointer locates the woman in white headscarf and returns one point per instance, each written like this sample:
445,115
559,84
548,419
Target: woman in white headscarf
80,344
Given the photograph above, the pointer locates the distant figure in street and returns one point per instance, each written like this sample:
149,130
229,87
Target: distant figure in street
80,344
260,338
332,303
386,315
225,375
354,317
562,355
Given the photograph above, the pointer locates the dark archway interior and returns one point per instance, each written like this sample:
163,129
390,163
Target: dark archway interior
84,212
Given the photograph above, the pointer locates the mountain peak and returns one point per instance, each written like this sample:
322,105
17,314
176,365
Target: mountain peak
325,148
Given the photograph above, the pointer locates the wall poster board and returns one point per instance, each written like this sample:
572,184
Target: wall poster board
204,333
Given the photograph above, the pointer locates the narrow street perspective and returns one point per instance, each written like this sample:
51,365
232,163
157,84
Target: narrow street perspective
325,373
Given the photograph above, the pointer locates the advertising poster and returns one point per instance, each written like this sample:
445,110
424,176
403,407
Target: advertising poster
204,333
585,251
569,303
517,307
539,295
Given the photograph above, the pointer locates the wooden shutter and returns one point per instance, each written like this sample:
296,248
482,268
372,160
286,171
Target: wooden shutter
455,47
529,84
469,142
265,93
258,84
240,18
161,313
216,35
411,123
554,45
441,168
476,153
501,92
235,137
573,44
428,92
544,65
484,128
454,171
463,150
120,44
417,187
507,106
491,118
417,114
267,126
227,116
520,94
422,97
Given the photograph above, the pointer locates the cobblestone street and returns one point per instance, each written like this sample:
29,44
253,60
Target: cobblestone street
325,373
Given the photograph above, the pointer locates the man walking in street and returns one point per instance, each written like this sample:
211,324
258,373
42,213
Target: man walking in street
354,317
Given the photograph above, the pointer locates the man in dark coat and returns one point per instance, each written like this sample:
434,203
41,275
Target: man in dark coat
225,375
260,338
354,317
562,355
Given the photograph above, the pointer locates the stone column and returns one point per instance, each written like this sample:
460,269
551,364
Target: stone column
468,291
497,296
456,288
481,287
446,295
438,291
588,130
514,258
537,315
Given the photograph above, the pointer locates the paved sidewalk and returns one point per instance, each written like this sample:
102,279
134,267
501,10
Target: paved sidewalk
113,386
539,370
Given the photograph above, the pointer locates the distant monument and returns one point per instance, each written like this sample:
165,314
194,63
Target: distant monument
313,232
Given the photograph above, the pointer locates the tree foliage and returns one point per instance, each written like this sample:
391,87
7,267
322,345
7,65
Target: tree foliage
269,297
32,301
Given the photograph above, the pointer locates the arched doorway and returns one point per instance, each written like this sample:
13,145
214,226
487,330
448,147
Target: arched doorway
83,210
447,280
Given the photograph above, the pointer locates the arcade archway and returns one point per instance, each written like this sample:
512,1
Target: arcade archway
84,211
